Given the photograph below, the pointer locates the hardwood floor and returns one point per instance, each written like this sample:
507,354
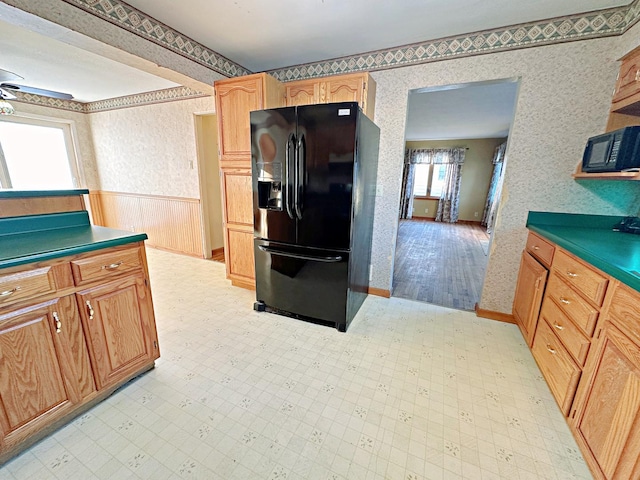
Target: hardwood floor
440,263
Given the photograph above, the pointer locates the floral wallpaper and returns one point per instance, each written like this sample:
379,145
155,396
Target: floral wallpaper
564,97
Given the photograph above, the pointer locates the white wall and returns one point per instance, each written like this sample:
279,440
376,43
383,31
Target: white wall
564,97
149,149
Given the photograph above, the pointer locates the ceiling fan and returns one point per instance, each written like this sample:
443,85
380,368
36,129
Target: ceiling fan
7,87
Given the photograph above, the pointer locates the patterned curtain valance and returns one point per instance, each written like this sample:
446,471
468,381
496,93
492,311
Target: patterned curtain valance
435,155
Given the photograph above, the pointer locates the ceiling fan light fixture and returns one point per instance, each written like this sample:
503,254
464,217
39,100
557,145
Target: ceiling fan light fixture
6,108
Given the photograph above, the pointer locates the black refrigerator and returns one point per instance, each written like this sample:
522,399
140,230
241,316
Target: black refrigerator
314,187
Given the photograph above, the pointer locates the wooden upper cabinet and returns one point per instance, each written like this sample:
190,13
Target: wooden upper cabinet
235,98
353,87
302,93
628,83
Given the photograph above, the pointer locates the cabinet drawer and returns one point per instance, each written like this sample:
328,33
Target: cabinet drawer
540,248
27,284
109,264
576,343
557,366
583,314
625,310
584,279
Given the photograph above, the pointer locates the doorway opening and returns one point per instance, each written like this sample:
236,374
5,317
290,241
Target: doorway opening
206,125
456,141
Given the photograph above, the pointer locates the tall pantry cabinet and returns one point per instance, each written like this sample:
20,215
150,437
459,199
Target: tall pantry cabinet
235,98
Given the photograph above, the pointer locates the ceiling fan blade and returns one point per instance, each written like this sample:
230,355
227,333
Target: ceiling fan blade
7,95
36,91
7,76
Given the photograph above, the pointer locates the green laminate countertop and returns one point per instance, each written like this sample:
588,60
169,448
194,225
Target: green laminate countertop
42,193
591,238
43,237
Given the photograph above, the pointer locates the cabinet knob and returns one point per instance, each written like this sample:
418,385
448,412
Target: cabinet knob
638,75
551,349
558,327
90,308
111,266
7,293
536,247
565,301
57,321
571,274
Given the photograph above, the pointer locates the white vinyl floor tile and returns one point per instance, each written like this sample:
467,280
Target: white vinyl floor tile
411,392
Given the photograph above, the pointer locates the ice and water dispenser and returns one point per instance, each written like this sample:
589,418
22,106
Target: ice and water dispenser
269,185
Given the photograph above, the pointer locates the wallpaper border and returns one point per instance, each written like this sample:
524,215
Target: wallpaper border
147,27
585,26
582,26
147,98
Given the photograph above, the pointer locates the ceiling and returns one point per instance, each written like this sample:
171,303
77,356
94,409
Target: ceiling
477,110
263,35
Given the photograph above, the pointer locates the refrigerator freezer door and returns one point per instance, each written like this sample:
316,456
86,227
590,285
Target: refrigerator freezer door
326,138
273,156
306,282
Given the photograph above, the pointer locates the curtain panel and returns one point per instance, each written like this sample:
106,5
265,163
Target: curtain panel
488,215
449,200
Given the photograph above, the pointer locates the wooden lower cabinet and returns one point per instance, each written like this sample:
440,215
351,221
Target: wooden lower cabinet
69,346
528,297
120,330
43,367
558,368
606,415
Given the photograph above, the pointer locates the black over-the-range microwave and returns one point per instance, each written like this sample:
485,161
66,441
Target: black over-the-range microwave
615,151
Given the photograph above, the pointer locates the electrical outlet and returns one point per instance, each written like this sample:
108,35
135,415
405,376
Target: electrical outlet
475,214
379,190
133,229
426,210
370,272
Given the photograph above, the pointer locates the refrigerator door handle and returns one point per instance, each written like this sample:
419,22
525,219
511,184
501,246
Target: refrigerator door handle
300,256
300,169
291,185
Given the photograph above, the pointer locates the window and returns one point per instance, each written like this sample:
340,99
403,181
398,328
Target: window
36,154
428,180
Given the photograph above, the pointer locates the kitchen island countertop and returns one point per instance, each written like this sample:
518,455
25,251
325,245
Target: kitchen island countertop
591,238
43,237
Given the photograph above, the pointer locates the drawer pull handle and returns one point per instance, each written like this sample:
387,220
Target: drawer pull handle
91,312
536,247
111,266
565,301
6,293
56,319
551,349
637,75
558,327
571,274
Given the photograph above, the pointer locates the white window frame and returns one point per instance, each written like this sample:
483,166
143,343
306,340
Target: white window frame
430,174
68,128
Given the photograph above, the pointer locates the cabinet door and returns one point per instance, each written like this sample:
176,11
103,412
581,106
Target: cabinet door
609,420
629,78
302,93
348,88
119,323
528,297
38,380
234,101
